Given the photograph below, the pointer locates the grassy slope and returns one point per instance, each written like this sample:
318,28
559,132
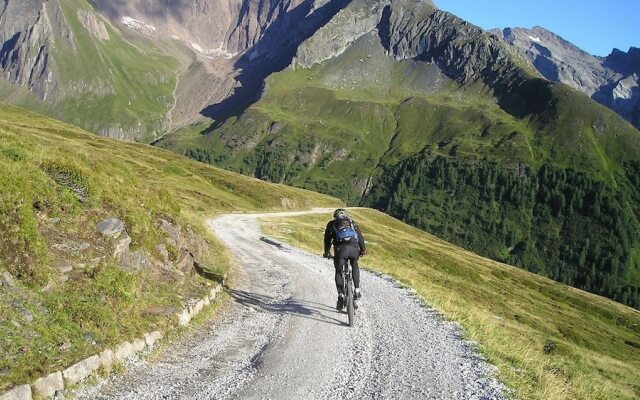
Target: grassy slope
549,341
100,305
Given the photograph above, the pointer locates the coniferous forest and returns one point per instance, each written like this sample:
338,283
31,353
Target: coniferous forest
557,222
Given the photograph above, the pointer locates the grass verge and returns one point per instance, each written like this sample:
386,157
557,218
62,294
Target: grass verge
549,341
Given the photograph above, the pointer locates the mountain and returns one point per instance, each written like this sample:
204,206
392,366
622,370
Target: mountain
613,81
137,69
420,114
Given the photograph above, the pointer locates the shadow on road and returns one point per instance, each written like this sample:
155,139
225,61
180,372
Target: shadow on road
290,306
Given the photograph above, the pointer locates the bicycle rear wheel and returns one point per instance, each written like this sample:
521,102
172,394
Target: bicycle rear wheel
350,307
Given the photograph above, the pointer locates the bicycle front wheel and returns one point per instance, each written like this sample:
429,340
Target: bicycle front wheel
350,307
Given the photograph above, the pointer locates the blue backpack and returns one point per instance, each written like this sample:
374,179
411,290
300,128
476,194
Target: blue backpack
345,231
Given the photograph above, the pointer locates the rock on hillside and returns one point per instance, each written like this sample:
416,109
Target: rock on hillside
612,81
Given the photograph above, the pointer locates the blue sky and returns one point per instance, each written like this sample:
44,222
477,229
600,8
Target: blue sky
596,26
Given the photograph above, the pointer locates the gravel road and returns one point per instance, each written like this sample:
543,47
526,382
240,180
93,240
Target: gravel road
281,338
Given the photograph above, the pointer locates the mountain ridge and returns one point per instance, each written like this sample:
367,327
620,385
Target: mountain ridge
612,80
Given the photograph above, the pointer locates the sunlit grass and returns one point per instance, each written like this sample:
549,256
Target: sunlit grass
549,341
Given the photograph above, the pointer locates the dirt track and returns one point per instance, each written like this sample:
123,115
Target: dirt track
281,338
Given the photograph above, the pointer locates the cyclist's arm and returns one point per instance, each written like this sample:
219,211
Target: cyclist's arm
328,237
361,242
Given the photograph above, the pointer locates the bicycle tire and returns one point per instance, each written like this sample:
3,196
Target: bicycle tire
350,308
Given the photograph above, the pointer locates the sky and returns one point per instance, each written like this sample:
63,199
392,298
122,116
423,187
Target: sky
596,26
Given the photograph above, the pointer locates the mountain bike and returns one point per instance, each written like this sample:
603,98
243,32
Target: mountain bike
349,291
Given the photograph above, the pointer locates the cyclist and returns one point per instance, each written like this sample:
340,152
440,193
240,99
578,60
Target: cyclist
349,245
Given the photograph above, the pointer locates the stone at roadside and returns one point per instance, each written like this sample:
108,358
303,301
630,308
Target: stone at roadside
65,268
66,346
124,351
138,345
160,311
19,393
81,370
107,359
184,318
122,245
174,238
49,385
136,261
111,226
164,253
26,315
197,308
151,338
90,338
187,263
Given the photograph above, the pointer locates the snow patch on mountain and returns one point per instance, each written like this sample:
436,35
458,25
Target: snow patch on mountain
137,25
219,52
535,39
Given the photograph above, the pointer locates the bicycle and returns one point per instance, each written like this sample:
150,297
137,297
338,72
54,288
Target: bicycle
349,291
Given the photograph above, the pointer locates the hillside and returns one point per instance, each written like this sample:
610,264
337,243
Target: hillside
428,118
548,340
69,287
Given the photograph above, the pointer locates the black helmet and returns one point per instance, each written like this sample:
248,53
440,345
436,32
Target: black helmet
340,213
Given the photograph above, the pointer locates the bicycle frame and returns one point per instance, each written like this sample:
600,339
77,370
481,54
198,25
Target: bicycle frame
348,291
346,276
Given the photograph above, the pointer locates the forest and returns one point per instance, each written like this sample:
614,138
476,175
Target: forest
556,222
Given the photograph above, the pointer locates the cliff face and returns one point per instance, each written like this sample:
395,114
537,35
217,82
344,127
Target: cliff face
28,31
62,51
72,61
460,49
612,80
357,19
217,28
409,30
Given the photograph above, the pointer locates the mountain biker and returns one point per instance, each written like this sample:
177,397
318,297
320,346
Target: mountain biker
349,245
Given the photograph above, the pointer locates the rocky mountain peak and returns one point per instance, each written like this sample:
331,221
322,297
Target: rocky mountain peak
27,31
627,63
612,81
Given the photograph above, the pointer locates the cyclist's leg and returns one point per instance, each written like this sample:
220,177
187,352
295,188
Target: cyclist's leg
338,260
354,255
